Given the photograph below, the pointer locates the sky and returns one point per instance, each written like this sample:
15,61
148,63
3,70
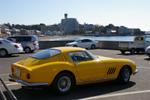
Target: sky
129,13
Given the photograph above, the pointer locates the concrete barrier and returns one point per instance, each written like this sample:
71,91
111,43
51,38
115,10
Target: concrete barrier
49,44
58,43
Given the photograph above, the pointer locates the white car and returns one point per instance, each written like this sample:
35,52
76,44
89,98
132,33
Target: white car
84,43
7,47
147,51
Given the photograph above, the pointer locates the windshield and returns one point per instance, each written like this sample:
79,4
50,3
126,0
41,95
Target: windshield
46,53
7,41
92,55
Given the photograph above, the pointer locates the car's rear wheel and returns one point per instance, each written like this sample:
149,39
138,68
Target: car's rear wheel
27,50
3,53
63,83
124,75
93,46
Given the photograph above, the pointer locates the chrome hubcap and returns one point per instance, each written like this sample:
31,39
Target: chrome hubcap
64,83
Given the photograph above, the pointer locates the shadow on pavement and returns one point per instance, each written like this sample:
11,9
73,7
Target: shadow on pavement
79,92
148,59
10,56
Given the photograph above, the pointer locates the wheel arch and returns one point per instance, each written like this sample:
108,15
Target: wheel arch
5,50
128,66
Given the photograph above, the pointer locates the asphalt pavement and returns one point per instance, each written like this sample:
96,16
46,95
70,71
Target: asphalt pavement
137,89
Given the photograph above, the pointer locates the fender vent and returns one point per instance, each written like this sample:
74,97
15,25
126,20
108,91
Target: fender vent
111,70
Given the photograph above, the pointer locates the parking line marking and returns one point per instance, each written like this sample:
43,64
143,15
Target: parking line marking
143,67
117,94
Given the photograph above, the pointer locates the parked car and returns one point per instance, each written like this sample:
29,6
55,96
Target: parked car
64,67
147,51
7,47
29,42
138,44
84,43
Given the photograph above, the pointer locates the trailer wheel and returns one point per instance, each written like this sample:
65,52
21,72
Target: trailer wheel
122,52
132,51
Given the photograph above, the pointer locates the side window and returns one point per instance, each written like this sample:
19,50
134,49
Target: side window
86,40
83,40
0,42
26,39
80,56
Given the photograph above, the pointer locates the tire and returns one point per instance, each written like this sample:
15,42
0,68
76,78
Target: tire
93,46
3,53
124,75
132,51
122,52
63,83
27,50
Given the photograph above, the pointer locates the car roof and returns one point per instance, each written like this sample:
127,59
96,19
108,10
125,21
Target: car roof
69,49
2,39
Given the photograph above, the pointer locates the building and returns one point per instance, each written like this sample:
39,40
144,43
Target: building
89,27
124,30
69,25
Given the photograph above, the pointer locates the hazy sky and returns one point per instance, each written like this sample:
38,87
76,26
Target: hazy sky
130,13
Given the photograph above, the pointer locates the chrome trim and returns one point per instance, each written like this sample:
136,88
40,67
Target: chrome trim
12,78
136,71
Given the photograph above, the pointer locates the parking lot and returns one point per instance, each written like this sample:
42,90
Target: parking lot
137,89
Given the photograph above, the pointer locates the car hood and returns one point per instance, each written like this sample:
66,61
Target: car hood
108,59
71,43
104,58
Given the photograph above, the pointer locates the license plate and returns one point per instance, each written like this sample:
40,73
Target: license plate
17,72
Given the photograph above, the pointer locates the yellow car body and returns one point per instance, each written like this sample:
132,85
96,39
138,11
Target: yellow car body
43,71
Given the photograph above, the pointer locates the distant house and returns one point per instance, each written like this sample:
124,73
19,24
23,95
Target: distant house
69,25
124,30
89,27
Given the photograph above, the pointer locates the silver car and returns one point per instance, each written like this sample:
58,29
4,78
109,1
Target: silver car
147,51
84,43
29,43
8,48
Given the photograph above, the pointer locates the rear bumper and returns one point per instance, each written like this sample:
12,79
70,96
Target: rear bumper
136,71
12,78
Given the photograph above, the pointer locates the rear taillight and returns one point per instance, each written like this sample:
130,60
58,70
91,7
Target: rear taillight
28,76
12,70
16,46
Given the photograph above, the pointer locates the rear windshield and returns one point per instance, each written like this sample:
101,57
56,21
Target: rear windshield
46,53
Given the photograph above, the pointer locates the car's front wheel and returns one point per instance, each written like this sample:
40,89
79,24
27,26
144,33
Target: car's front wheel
63,83
124,75
93,46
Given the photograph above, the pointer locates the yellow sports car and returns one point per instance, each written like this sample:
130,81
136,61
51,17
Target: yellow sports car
65,67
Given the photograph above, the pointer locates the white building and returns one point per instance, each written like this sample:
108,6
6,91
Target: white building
69,25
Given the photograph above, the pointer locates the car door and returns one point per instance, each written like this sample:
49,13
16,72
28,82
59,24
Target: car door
81,43
88,69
